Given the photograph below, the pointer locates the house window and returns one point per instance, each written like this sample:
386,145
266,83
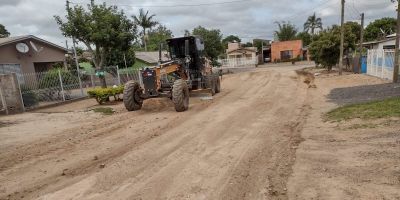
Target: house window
12,68
286,54
389,47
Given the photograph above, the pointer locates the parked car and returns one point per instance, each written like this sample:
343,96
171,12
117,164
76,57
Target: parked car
267,59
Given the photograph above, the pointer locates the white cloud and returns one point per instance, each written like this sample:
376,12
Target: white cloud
253,18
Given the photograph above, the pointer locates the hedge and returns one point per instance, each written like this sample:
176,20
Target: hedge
103,94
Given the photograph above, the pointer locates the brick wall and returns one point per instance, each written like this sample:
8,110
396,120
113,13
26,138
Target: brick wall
293,45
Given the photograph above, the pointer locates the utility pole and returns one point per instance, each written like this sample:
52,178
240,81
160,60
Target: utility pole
341,39
396,53
361,41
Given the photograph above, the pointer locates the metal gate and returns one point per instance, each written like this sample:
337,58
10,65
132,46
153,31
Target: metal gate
380,63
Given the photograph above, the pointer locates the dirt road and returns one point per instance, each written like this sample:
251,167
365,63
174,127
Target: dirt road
240,145
262,137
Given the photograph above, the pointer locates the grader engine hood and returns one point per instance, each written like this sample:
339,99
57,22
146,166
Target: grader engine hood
149,77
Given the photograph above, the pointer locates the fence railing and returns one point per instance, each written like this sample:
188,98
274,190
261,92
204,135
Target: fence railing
58,85
238,62
380,63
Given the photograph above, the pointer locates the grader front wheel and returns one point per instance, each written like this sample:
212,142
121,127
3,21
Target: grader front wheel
132,100
180,95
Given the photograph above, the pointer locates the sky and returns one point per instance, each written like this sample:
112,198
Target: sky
247,19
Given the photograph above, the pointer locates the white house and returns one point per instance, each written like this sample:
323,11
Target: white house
387,43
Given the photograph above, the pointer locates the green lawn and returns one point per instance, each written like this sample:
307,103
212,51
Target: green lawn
372,110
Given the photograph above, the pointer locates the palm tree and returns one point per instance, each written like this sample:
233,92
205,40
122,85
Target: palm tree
313,22
146,22
286,31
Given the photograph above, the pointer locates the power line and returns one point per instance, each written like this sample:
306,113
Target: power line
175,5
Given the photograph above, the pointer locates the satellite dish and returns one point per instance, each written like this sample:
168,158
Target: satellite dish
22,48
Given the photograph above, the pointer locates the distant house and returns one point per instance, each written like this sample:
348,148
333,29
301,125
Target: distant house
29,54
149,58
235,50
387,43
285,50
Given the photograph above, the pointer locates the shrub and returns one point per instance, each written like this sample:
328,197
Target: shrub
29,97
51,79
103,94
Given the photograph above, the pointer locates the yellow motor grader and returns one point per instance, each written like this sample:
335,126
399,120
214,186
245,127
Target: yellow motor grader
188,69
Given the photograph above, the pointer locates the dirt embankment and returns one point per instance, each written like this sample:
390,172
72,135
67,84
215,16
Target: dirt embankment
356,159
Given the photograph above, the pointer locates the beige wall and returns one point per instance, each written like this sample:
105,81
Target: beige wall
9,55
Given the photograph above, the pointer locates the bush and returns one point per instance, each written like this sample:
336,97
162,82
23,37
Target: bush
51,79
103,94
29,97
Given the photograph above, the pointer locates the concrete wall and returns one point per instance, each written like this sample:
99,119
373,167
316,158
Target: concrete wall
11,93
293,45
9,55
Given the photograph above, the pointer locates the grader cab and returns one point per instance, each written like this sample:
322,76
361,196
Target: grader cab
187,70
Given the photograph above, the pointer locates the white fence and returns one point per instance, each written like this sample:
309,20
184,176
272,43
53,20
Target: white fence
380,63
238,63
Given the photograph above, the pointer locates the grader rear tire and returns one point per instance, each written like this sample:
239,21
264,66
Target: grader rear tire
180,95
132,100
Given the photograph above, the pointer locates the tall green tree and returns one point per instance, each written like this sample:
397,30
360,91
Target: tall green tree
212,41
230,38
379,28
324,49
158,36
118,57
313,22
286,31
145,21
101,28
3,31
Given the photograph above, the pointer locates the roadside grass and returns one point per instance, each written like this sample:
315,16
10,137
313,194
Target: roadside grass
104,110
371,110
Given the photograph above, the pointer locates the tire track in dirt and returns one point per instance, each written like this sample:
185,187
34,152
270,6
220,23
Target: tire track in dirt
264,172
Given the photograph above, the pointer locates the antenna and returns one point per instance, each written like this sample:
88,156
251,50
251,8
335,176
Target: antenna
35,48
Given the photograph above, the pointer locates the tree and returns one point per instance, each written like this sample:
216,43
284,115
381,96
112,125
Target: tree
101,28
324,49
3,31
187,33
247,44
229,39
305,37
286,31
146,22
313,22
259,43
158,36
379,28
116,58
212,41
